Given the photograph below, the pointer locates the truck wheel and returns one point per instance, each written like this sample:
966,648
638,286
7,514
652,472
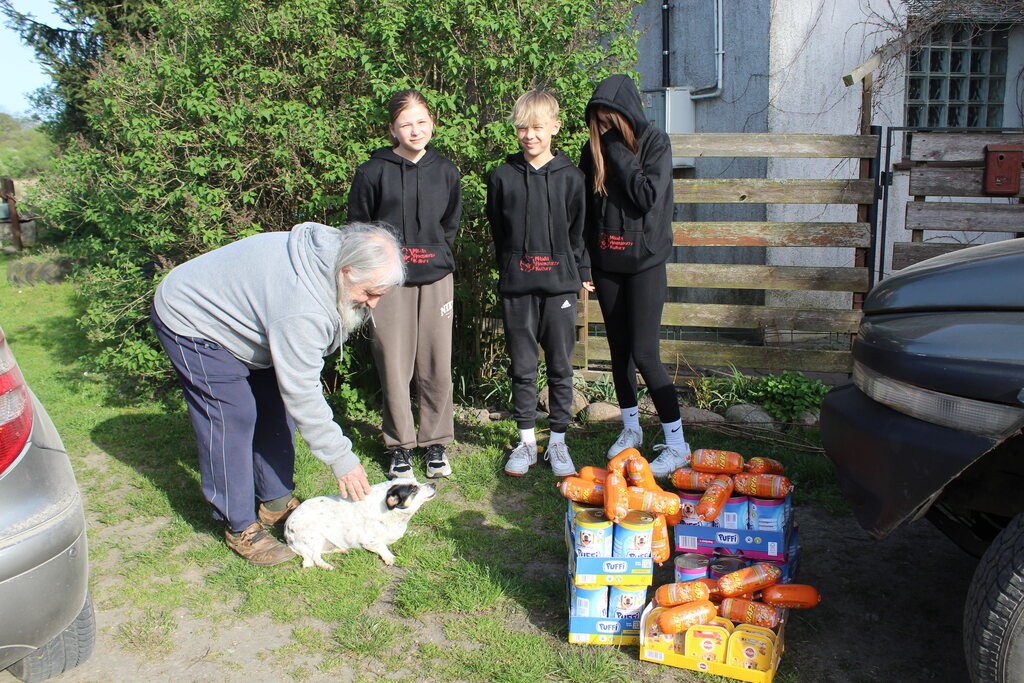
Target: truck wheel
994,611
67,650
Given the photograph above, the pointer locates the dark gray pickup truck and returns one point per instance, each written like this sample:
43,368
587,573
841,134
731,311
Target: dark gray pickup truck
931,427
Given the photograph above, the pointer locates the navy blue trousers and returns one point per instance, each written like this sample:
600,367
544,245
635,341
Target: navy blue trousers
244,435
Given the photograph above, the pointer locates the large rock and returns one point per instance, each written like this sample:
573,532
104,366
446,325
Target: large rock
579,401
603,412
698,415
755,416
808,419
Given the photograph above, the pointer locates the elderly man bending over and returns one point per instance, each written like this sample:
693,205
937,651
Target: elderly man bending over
247,327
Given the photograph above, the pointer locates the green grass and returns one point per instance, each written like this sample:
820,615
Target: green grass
478,592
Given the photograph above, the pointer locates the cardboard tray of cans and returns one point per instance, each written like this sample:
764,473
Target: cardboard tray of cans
759,544
609,630
732,657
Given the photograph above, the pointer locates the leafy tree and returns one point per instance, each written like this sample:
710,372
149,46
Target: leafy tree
233,118
25,151
94,27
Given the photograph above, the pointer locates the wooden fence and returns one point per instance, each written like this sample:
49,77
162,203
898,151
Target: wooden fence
951,165
592,351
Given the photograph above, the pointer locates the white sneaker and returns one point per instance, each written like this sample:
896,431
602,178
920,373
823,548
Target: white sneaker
671,459
628,438
561,464
521,459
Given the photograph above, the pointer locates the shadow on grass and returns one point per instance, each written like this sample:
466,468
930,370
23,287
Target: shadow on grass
160,447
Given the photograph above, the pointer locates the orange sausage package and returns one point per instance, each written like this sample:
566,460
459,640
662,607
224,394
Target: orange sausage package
685,591
718,462
681,617
749,579
598,474
687,479
661,550
616,499
714,498
582,490
796,595
761,465
749,612
762,485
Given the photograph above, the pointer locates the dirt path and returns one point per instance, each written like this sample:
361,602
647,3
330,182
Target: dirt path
891,610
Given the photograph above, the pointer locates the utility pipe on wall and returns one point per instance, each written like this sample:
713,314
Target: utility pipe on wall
666,10
716,89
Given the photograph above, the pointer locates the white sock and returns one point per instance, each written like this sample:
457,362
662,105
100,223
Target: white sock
674,433
528,435
631,418
556,437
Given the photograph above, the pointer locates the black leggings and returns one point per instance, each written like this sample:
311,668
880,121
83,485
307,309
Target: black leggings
631,304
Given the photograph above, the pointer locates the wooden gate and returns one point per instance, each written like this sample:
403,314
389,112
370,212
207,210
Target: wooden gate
592,351
942,166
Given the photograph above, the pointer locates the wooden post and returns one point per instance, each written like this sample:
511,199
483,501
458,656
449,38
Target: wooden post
7,195
860,254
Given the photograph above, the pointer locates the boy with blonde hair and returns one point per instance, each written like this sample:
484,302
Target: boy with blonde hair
535,204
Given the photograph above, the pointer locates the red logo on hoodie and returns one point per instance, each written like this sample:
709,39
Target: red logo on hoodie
417,255
537,264
614,242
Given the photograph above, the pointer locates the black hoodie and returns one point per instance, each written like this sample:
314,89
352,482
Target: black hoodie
630,229
537,220
422,200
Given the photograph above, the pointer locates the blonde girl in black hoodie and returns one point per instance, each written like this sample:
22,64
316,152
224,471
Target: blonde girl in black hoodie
628,166
412,188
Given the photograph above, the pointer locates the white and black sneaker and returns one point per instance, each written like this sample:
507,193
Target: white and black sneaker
628,438
401,463
437,462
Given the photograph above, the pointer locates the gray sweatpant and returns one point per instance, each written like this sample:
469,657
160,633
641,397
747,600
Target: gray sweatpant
412,340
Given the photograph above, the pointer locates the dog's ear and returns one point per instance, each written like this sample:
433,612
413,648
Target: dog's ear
399,494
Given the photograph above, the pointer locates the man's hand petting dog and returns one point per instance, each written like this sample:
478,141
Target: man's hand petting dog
354,485
332,524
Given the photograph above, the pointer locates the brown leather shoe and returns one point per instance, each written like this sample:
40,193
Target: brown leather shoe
257,546
277,518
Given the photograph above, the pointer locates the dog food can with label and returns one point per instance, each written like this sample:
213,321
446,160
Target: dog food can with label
688,503
734,514
593,532
720,566
691,566
589,601
576,507
626,601
768,514
633,535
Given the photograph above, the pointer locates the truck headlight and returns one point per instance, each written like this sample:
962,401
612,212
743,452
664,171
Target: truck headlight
965,414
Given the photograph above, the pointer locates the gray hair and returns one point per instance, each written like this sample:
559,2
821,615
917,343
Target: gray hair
373,256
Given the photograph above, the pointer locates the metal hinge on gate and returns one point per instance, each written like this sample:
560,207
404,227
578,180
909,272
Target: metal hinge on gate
885,178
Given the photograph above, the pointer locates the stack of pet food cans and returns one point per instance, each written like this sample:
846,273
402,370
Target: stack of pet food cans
752,523
610,569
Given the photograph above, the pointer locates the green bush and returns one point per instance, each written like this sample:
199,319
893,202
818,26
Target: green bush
231,119
788,395
25,151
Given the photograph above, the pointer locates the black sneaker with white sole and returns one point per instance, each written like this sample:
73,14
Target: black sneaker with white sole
437,462
401,462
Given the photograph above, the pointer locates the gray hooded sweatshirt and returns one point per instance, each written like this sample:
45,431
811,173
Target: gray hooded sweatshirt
270,301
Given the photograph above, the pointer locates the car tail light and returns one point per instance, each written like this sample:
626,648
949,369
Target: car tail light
15,408
968,415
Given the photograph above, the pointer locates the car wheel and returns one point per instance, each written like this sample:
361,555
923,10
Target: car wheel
994,611
67,650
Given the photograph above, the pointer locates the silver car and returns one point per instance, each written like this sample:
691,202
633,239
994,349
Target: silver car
48,623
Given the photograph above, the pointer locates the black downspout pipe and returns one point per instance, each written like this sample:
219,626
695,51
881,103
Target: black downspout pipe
666,11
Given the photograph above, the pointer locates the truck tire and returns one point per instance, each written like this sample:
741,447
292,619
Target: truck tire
994,611
67,650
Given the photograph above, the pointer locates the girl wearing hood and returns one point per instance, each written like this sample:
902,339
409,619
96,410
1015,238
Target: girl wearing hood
628,167
416,190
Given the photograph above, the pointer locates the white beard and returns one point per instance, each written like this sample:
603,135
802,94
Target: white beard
353,316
